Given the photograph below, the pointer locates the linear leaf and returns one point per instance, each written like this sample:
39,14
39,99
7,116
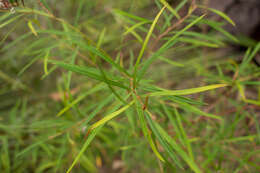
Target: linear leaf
146,41
91,136
123,13
197,42
146,130
221,30
100,40
167,5
193,109
81,97
162,141
10,20
187,91
110,116
30,25
102,55
165,46
171,62
132,28
87,72
220,13
249,56
176,147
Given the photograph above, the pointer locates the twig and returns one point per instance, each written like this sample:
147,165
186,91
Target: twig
41,4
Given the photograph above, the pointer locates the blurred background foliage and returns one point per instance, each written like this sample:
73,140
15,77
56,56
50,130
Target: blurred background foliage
36,86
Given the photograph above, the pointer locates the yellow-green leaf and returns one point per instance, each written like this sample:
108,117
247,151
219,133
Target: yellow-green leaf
221,14
187,91
167,5
110,116
30,25
147,38
131,29
46,57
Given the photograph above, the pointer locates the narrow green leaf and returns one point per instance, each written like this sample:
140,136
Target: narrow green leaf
193,109
184,135
79,11
29,65
220,13
163,142
123,13
241,91
221,30
166,46
249,56
81,97
205,37
167,5
110,87
30,25
146,42
187,91
255,102
176,147
178,7
73,59
173,122
87,72
10,20
100,40
198,42
135,34
132,28
110,116
5,16
167,18
102,55
91,136
240,139
97,109
46,57
171,62
250,83
5,156
29,148
146,130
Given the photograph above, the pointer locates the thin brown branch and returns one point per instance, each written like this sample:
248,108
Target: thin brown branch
41,5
